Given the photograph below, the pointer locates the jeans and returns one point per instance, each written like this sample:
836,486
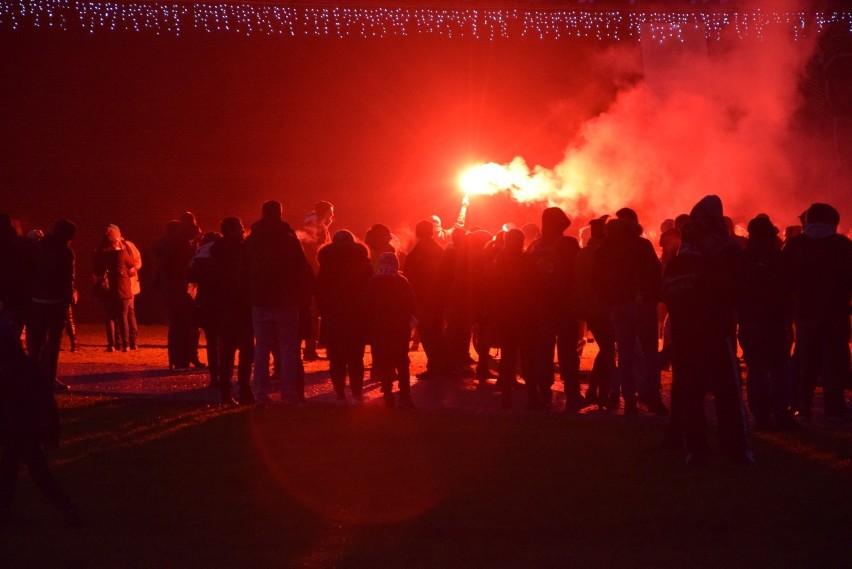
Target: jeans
116,322
132,325
44,334
276,330
632,322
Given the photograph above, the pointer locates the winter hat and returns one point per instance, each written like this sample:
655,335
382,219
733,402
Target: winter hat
388,264
822,213
65,229
760,229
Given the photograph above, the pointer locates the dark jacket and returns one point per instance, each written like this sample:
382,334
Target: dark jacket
118,265
231,303
275,266
517,292
555,259
344,271
17,270
54,275
626,268
422,269
208,298
820,272
173,254
700,290
391,303
764,293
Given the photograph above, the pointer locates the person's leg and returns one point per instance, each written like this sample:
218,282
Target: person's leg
226,350
337,367
245,345
123,327
356,367
71,327
604,364
49,359
835,368
647,332
132,324
286,324
727,390
111,324
624,329
37,326
567,340
809,355
265,342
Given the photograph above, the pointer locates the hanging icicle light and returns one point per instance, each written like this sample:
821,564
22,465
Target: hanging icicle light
247,18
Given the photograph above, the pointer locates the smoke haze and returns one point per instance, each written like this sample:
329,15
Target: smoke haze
711,118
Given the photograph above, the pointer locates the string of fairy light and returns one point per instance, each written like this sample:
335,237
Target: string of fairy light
255,18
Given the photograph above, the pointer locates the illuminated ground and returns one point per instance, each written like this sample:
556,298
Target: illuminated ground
91,370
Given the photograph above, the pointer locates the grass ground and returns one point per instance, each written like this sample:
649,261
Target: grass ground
164,484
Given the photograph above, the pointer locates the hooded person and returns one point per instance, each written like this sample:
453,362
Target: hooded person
554,255
700,286
626,275
818,264
344,271
391,305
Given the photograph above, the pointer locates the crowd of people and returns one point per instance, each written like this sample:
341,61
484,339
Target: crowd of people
533,293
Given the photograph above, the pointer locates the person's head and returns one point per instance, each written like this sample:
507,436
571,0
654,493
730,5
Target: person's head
272,210
378,236
233,228
343,237
627,214
667,225
424,229
761,232
324,211
554,222
822,213
708,214
112,233
531,233
513,240
681,220
65,229
35,235
597,227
